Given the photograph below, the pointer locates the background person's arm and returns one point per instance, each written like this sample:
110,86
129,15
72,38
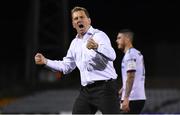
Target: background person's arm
129,85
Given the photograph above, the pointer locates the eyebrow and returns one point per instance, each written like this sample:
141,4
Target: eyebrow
81,16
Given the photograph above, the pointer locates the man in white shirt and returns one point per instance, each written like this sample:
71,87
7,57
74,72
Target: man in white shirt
92,53
132,92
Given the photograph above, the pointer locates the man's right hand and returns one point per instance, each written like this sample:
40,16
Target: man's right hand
40,59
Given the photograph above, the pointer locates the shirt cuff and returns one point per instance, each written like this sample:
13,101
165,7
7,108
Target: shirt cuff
98,49
48,64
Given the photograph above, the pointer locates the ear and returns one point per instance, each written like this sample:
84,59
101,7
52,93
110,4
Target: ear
73,24
89,21
127,39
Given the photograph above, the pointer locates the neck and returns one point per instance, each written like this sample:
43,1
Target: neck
82,34
128,47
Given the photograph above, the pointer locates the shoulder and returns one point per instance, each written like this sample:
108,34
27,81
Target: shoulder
132,53
100,35
96,31
99,32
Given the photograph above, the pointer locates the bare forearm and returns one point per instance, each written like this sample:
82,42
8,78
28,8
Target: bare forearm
129,84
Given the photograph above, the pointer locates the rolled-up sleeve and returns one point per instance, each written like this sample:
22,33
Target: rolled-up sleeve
104,46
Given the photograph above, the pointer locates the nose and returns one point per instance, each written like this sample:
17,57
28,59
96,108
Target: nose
116,40
79,20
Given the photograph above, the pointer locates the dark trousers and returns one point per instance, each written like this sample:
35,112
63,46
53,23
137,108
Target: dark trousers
135,106
102,96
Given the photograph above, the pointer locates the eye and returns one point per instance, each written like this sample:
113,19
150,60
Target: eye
76,18
81,17
118,37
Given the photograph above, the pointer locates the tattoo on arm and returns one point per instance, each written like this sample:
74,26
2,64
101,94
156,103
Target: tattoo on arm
129,83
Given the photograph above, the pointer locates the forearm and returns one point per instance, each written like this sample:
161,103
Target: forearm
103,46
63,66
55,65
129,84
108,52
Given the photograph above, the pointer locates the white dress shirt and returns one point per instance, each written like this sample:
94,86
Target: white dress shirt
94,65
133,60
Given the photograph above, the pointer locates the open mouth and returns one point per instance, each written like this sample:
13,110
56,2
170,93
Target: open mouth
81,26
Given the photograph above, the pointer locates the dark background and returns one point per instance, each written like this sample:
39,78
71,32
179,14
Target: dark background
32,26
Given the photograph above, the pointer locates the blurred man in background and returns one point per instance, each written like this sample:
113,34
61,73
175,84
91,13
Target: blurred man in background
132,92
92,53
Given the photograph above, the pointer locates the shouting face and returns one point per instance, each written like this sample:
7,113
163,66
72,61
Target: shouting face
80,22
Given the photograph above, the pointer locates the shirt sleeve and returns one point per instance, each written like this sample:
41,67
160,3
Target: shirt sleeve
66,65
131,63
104,46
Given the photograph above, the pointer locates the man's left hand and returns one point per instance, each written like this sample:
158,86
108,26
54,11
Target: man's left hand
125,105
91,44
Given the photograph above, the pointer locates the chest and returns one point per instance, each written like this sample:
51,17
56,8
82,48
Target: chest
81,52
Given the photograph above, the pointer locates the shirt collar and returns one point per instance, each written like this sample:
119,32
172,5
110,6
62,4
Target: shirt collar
90,31
128,51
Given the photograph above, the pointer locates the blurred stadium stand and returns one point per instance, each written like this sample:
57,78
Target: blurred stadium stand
61,101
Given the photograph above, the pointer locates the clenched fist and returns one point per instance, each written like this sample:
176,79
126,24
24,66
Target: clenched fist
91,44
40,59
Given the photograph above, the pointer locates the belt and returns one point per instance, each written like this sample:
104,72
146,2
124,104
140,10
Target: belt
96,83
